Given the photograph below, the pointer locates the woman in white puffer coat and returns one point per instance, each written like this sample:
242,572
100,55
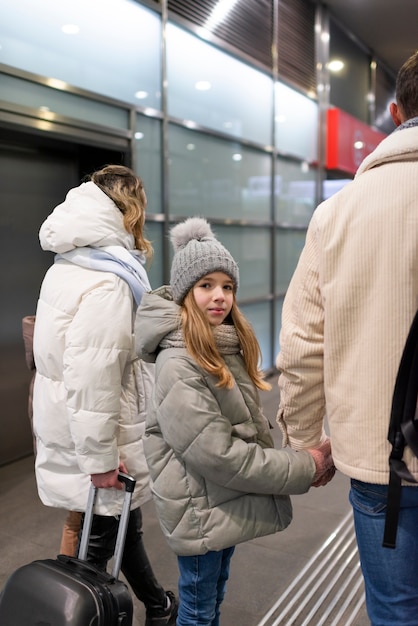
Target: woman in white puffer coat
90,389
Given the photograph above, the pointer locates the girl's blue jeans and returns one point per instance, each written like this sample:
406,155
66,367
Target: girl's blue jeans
390,575
202,584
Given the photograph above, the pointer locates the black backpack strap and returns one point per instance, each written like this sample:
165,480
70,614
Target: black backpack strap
402,430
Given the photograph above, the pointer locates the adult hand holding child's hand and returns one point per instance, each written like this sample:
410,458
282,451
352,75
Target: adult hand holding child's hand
325,468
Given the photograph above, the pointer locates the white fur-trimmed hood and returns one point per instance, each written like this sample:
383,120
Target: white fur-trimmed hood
87,217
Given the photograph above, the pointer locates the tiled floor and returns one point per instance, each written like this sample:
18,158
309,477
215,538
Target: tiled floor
262,570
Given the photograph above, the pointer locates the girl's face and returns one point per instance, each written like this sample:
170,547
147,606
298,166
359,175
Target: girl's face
214,296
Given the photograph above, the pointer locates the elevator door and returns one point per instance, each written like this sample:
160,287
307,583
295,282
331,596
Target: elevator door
35,175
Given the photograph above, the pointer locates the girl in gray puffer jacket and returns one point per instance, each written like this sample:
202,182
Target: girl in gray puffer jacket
217,480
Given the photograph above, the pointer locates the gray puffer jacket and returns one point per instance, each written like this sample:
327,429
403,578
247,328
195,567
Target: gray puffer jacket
217,480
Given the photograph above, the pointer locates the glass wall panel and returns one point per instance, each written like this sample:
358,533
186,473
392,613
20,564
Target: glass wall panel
296,123
216,178
250,248
154,233
295,192
332,185
278,307
259,316
111,47
216,90
354,71
289,244
148,160
29,94
385,94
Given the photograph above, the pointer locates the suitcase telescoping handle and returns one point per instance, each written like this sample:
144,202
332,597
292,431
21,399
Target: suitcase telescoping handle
129,482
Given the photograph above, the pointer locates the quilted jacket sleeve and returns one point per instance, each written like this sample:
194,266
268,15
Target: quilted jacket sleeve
204,438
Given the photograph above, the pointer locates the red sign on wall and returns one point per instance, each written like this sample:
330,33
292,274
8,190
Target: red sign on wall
349,141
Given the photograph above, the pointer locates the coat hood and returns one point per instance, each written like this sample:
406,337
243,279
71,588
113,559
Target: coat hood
87,217
156,316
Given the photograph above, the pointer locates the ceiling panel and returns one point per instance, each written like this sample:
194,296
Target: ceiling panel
388,27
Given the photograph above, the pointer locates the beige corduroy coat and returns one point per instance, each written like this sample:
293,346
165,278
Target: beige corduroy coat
348,310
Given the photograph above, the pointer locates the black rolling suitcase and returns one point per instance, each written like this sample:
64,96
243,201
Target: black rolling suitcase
68,591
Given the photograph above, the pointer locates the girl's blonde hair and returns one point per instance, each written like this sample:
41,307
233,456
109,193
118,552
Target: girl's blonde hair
126,190
201,344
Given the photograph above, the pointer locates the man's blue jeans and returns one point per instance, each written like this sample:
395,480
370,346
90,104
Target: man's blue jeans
390,575
202,586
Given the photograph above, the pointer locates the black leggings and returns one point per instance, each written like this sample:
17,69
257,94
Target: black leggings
135,564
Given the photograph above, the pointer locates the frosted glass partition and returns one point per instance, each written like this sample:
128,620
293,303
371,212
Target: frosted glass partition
295,193
154,233
296,123
147,139
217,178
385,94
278,317
259,316
332,186
111,47
215,90
250,248
289,244
349,87
33,95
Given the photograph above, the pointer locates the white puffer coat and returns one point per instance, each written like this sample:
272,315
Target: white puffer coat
90,389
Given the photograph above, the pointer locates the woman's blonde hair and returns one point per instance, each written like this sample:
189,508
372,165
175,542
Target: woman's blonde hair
126,190
201,344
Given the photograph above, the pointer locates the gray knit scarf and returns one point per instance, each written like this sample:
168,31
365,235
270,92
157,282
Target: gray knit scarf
408,124
225,336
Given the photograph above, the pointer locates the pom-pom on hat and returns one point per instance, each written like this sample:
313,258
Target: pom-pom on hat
197,253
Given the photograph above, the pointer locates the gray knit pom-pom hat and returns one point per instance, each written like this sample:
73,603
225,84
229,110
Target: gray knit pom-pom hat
197,252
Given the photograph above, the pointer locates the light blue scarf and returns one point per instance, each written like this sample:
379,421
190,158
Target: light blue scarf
129,265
